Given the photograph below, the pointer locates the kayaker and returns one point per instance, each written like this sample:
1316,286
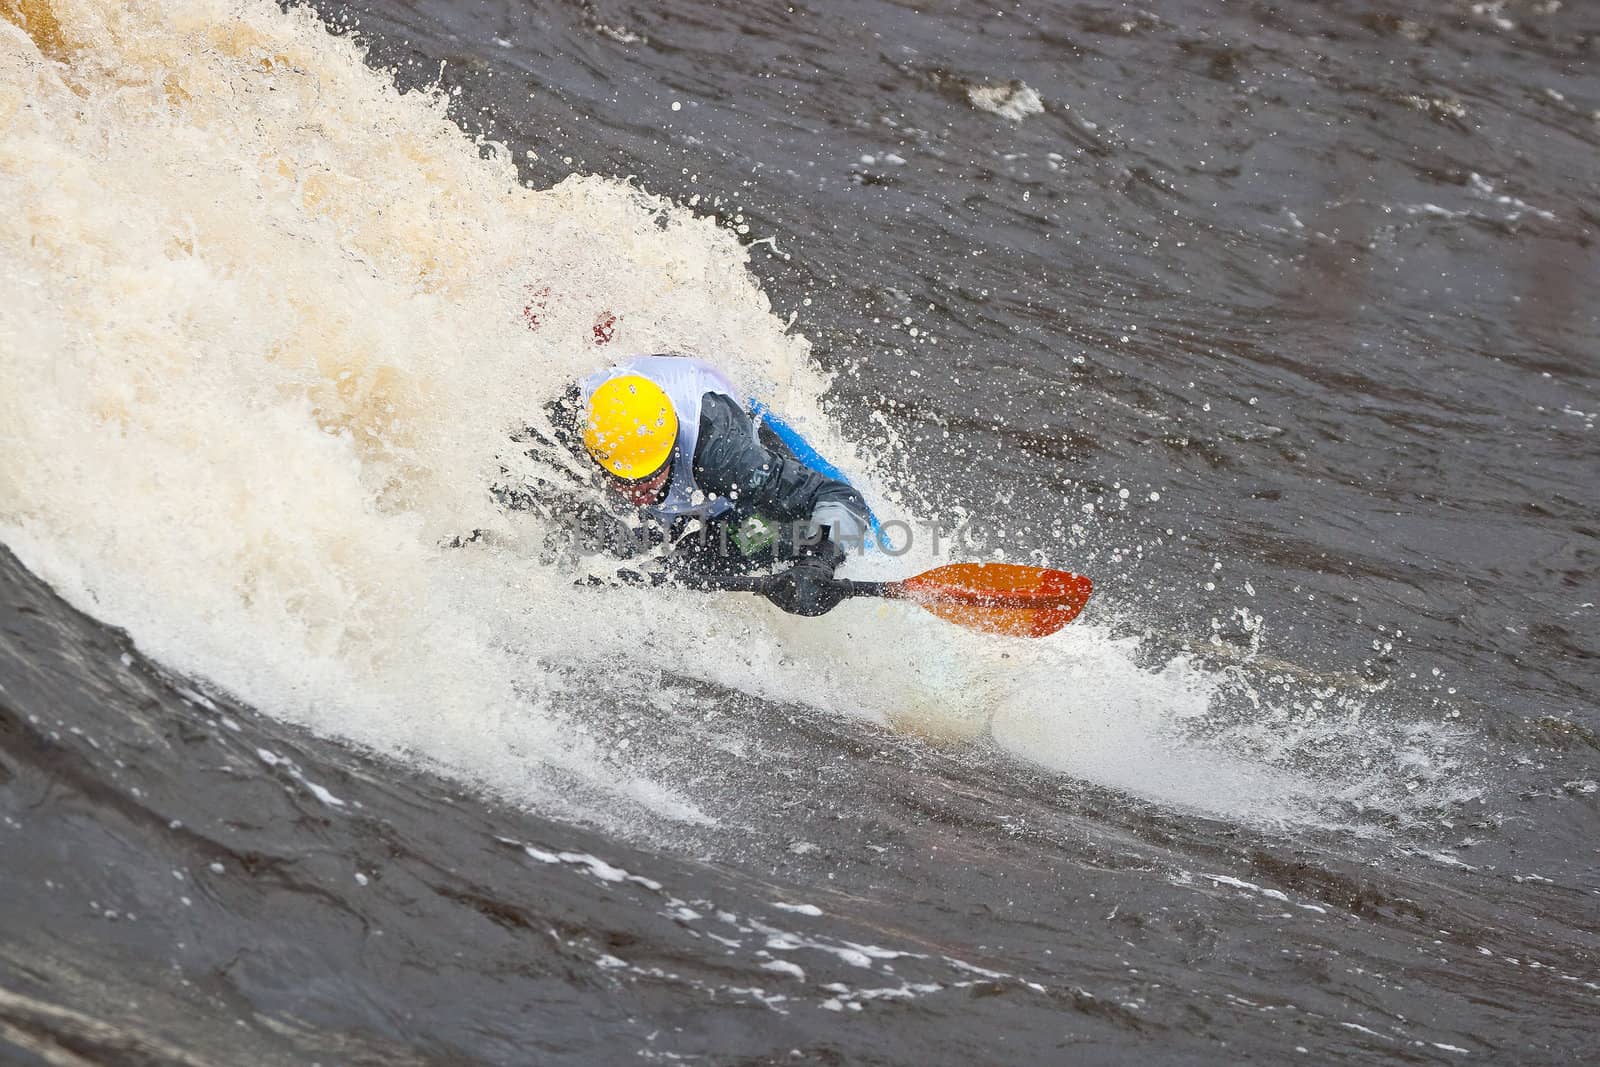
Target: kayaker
671,436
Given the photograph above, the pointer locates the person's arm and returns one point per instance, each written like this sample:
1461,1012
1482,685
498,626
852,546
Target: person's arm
729,460
581,520
565,412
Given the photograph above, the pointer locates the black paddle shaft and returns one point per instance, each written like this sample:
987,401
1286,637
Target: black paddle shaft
730,583
760,583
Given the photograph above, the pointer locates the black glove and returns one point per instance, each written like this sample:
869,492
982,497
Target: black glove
808,588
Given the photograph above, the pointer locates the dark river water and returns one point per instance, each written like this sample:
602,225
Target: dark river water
1270,317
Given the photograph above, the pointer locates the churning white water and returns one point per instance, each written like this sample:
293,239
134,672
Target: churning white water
268,325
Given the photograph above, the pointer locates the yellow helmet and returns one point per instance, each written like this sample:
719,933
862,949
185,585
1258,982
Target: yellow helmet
630,427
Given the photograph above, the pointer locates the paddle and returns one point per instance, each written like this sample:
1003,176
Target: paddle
1003,598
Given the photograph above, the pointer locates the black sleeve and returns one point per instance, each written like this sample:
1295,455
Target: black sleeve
565,412
730,461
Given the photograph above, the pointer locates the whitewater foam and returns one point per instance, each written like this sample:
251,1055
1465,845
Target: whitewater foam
270,325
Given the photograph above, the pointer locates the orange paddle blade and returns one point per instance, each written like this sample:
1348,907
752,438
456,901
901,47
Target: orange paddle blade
1004,598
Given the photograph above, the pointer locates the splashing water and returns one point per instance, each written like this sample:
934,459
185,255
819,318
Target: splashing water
267,336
